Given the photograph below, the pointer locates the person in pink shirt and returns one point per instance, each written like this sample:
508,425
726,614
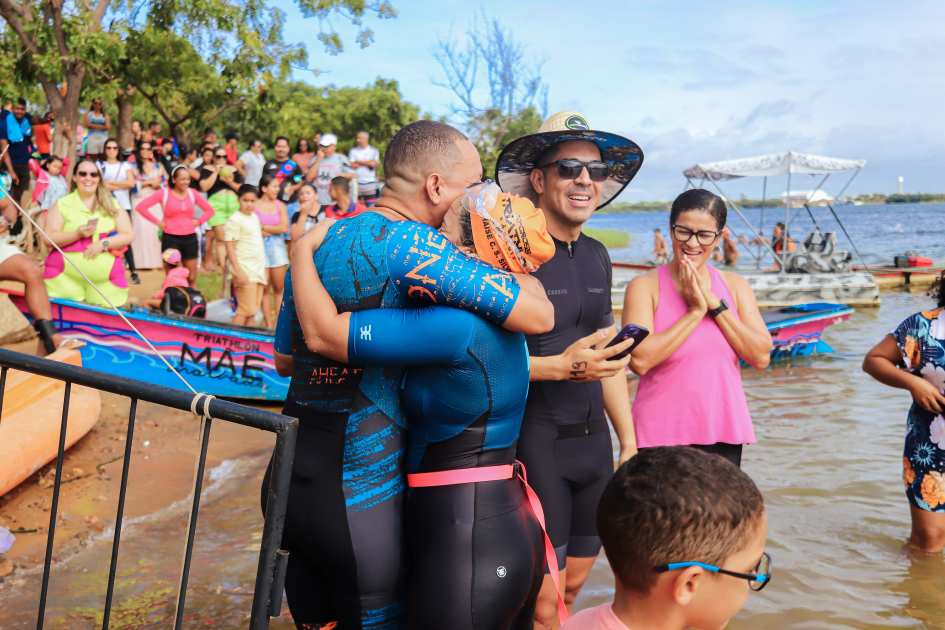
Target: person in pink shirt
684,532
177,221
703,322
177,276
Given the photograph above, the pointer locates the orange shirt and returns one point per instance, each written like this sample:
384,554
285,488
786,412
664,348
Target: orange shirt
42,137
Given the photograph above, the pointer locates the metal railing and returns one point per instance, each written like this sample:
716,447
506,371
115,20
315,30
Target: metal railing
270,573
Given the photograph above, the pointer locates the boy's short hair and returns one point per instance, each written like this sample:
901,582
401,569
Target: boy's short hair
339,182
675,504
245,189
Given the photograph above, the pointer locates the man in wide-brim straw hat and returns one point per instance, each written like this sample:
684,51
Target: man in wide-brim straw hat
570,170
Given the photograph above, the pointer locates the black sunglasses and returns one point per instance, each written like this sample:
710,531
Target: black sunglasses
111,147
220,156
597,170
684,235
86,174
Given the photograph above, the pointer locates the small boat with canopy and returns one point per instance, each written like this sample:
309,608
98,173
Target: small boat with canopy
814,269
817,270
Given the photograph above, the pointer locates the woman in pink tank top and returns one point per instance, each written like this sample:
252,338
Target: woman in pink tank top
702,321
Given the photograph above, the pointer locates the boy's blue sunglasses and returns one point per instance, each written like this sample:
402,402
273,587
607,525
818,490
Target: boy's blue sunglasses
756,580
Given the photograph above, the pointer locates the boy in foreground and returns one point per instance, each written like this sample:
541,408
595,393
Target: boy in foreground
247,257
684,532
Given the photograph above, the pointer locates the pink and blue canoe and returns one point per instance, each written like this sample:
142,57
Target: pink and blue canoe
797,330
220,359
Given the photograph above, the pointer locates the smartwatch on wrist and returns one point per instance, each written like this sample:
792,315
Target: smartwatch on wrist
718,310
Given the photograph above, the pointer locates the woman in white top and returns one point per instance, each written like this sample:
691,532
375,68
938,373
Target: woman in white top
250,165
119,178
150,178
98,123
308,214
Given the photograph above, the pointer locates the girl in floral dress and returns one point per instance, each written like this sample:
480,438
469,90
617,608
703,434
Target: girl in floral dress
918,346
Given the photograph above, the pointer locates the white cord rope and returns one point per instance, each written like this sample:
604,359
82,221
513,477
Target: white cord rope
203,414
204,418
117,310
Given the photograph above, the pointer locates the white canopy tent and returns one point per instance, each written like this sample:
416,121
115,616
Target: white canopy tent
771,165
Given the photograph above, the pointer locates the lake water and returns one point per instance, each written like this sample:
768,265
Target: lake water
828,461
879,231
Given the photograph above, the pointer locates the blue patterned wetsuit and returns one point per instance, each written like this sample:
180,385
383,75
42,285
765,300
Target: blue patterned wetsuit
475,554
343,526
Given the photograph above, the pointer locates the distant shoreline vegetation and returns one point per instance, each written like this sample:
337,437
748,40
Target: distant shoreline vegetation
611,238
623,207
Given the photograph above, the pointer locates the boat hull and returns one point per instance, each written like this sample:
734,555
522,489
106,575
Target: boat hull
854,288
218,359
32,417
775,290
797,331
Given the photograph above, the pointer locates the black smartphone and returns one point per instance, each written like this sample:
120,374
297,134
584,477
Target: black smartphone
630,331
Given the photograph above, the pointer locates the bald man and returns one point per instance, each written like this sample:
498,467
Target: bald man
343,526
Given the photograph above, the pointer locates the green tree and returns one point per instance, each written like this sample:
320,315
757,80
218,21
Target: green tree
494,130
61,45
298,110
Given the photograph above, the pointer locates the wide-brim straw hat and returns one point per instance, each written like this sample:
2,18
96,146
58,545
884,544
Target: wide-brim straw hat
521,156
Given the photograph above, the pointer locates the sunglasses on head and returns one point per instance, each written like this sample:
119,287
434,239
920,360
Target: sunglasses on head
145,147
569,168
86,174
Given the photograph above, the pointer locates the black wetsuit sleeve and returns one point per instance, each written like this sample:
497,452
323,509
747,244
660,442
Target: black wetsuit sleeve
433,335
424,265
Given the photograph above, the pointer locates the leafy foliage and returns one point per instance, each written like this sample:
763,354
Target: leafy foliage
299,110
494,130
190,59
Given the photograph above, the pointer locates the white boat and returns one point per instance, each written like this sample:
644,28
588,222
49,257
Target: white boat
800,198
818,271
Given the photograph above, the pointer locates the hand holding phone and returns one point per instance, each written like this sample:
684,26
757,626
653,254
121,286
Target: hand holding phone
630,331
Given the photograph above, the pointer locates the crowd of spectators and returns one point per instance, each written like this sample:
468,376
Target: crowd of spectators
310,178
179,197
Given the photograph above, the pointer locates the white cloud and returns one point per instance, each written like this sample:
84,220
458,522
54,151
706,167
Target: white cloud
708,81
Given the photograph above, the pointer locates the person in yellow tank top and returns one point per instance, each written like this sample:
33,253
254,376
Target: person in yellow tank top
89,226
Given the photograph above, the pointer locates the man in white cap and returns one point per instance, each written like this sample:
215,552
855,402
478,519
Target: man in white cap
365,159
327,165
569,171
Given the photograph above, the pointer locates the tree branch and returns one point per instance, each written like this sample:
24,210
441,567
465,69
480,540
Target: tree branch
14,14
53,9
100,12
153,99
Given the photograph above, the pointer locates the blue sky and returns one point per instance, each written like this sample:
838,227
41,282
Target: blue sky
695,82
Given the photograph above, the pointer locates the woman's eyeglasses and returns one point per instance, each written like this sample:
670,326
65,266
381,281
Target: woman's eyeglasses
220,156
757,579
597,170
684,235
111,147
86,174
